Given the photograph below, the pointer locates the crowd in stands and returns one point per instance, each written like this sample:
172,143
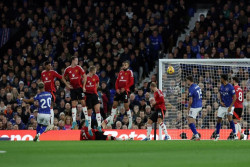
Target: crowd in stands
104,34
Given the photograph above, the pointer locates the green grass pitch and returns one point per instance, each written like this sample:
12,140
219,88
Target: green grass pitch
125,154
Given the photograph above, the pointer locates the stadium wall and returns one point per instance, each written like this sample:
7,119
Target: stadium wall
74,135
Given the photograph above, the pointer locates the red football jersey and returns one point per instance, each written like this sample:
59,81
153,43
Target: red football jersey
85,134
159,99
75,75
239,97
91,84
48,78
125,80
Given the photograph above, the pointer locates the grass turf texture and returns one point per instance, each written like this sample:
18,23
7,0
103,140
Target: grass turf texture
125,153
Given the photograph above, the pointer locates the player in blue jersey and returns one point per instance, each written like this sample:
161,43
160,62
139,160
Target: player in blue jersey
194,105
43,116
227,100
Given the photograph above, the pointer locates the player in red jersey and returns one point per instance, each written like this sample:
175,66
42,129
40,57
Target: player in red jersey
48,77
158,114
96,135
238,106
91,83
123,83
76,74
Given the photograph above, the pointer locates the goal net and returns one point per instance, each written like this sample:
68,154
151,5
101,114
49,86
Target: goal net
206,74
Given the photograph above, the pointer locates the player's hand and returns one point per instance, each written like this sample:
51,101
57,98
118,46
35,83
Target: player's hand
83,89
222,104
122,90
118,91
229,109
69,86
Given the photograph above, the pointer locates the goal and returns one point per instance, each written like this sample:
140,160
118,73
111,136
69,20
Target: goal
206,73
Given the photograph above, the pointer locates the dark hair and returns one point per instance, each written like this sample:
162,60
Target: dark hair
73,58
236,79
190,78
47,63
224,76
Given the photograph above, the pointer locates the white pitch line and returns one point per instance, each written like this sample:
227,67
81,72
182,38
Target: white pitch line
2,152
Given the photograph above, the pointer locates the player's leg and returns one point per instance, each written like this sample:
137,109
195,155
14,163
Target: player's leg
74,104
149,129
232,125
89,121
151,119
191,122
51,109
221,113
74,98
114,108
44,121
127,109
236,118
160,114
84,109
98,116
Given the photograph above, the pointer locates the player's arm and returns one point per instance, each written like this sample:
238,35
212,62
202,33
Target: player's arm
66,83
84,82
190,101
31,100
116,84
230,107
64,80
131,80
221,102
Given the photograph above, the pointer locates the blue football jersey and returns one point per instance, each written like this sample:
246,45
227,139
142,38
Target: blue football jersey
44,100
196,94
226,93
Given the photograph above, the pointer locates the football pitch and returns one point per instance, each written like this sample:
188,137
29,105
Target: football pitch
124,154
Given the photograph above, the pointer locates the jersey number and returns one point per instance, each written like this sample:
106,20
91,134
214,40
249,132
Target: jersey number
240,96
199,93
43,101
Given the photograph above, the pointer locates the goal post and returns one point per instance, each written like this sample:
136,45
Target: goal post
206,73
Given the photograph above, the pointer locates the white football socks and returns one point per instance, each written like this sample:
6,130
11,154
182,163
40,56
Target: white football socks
89,119
51,116
163,127
74,114
113,113
84,110
129,119
98,118
149,129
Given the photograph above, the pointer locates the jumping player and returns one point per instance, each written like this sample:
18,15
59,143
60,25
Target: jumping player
123,83
227,100
194,105
48,77
76,74
238,106
158,114
43,117
91,83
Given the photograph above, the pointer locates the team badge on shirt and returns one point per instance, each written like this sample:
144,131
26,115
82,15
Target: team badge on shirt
93,79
